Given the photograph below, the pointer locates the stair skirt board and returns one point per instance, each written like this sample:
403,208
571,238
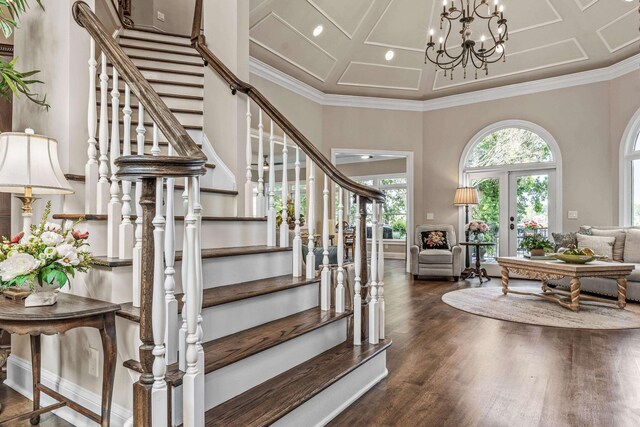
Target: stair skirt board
227,319
322,408
232,380
19,379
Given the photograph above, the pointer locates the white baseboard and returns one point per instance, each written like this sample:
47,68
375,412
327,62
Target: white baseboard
19,379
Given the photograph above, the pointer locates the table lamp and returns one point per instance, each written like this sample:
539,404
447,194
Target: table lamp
29,166
466,196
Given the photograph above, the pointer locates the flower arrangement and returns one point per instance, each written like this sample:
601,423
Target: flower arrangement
532,225
476,230
532,242
50,255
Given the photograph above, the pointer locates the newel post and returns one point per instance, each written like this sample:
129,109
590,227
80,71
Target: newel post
142,389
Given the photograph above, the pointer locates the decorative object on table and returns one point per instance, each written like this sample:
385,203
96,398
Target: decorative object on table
436,263
435,239
601,245
545,271
480,51
574,255
477,271
291,220
42,261
29,166
536,244
466,196
476,230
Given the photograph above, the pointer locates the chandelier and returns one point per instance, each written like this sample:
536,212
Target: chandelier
490,48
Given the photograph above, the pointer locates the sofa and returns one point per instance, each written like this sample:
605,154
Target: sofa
626,248
436,262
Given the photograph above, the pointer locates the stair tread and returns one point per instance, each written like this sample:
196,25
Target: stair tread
158,32
173,110
155,81
206,254
160,50
232,348
142,39
273,399
231,293
168,61
150,124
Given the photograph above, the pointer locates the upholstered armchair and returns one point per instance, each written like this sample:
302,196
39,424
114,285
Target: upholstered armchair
436,262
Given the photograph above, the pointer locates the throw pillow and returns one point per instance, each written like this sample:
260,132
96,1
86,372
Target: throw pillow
564,240
435,239
585,229
632,246
618,245
601,245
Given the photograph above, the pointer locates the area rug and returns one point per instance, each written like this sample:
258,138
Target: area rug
490,302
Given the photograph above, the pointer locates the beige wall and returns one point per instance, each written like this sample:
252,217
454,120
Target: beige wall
586,121
378,167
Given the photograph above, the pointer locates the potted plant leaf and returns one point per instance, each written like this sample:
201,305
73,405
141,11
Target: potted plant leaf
536,244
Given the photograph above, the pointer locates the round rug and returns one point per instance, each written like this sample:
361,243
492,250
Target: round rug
490,302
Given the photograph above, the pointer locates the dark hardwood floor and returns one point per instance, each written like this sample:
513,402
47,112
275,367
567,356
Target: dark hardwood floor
450,368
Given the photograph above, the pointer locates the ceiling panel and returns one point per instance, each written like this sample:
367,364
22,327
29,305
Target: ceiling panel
279,37
381,76
585,4
346,19
621,32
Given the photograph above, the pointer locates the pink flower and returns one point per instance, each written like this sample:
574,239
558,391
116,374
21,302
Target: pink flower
80,236
17,237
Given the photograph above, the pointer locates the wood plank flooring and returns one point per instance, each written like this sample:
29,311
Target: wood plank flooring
450,368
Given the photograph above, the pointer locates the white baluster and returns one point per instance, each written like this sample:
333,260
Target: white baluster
155,149
261,202
357,286
248,186
193,380
171,304
125,250
381,308
374,317
311,257
159,391
103,141
114,209
182,334
297,241
197,209
91,168
284,226
271,213
325,277
137,250
340,293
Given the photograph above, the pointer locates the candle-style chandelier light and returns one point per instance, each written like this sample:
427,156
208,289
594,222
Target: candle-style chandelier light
470,13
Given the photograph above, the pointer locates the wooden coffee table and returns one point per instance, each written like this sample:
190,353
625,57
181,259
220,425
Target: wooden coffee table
553,270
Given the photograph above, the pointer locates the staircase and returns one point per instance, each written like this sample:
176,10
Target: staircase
232,331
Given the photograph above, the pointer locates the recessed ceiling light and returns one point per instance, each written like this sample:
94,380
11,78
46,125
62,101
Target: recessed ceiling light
318,30
389,55
366,157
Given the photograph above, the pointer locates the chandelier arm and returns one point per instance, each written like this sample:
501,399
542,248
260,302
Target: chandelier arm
436,61
445,42
480,15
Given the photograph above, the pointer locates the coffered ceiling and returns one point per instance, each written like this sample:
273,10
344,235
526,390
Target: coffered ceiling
547,38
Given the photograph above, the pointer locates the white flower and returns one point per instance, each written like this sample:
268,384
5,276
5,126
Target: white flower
30,239
50,252
17,265
68,255
52,226
51,238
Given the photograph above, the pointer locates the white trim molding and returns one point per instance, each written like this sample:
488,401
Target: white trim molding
627,155
282,79
19,379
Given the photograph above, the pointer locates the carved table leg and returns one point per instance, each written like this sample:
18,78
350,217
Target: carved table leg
575,294
622,291
545,286
36,363
505,280
109,347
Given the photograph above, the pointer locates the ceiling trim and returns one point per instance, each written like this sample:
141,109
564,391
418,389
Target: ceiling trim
516,72
335,23
585,7
609,73
414,88
604,40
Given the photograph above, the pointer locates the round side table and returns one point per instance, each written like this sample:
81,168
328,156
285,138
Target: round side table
477,271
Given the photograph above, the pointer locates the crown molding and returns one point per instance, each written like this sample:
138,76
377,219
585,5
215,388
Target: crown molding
609,73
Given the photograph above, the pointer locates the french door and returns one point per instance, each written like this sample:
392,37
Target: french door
511,201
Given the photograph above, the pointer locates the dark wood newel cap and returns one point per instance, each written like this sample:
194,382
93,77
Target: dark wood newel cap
134,168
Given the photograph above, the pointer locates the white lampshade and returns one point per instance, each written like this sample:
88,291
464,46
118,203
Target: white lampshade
465,196
30,160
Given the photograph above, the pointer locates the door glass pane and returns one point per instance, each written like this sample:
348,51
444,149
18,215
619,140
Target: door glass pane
488,211
532,202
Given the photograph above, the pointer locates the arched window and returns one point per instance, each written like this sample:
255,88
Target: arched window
630,173
514,165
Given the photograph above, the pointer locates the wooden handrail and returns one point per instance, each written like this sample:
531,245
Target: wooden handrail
140,87
198,42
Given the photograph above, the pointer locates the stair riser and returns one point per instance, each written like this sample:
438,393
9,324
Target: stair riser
322,408
156,45
194,133
186,104
160,88
157,37
230,381
195,68
185,119
227,319
167,75
163,55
